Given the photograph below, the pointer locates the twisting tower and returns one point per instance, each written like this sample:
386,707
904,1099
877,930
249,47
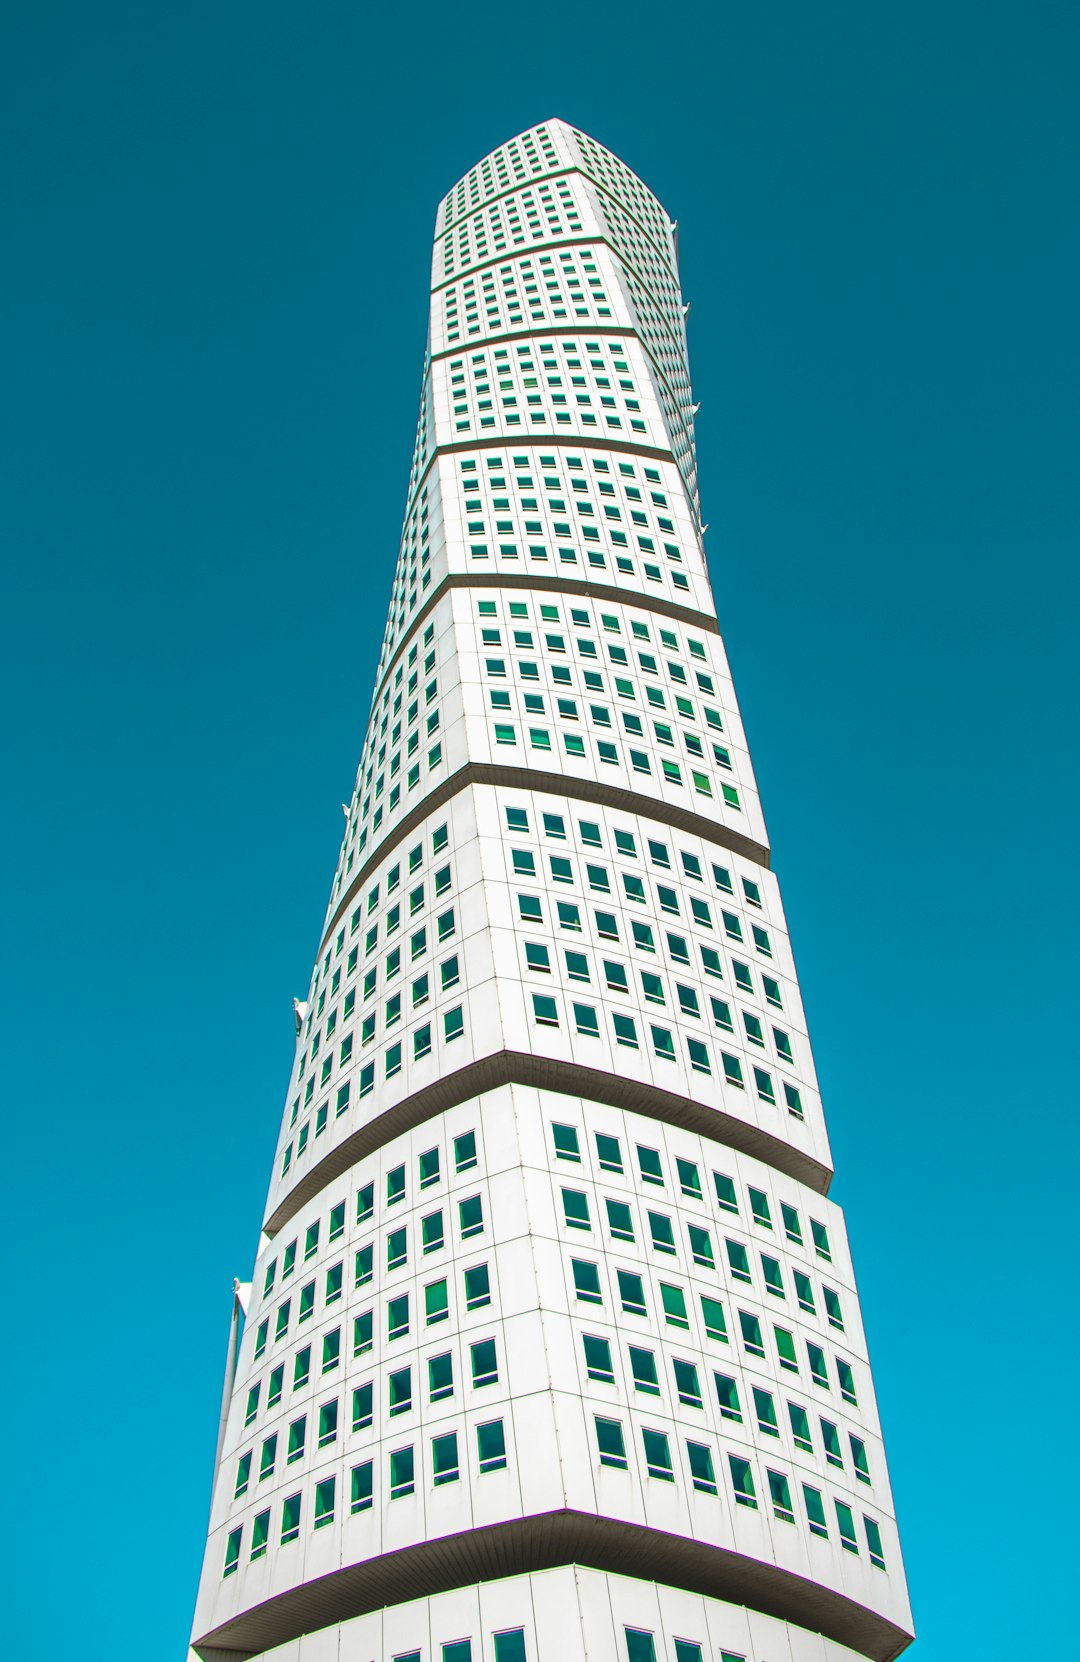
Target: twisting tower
552,1347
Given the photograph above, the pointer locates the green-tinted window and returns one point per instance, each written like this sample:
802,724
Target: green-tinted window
402,1473
232,1550
759,1207
510,1646
832,1307
785,1349
364,1265
649,1165
657,1455
477,1287
586,1281
858,1458
491,1446
674,1303
780,1495
608,1153
302,1363
432,1236
471,1216
701,1467
873,1543
774,1281
643,1369
361,1487
610,1444
830,1437
243,1475
639,1645
846,1380
429,1168
465,1151
440,1376
324,1501
800,1427
620,1220
436,1302
661,1233
399,1387
725,1192
687,1651
816,1357
686,1382
804,1292
712,1313
485,1367
565,1140
700,1246
765,1412
689,1181
397,1317
598,1358
575,1204
738,1262
727,1397
815,1511
821,1240
444,1459
290,1518
742,1481
362,1406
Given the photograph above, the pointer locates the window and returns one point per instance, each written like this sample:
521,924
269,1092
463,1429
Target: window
362,1406
751,1333
649,1165
689,1181
576,1209
770,1269
701,1467
459,1651
429,1168
639,1645
471,1216
395,1185
687,1651
598,1358
510,1646
738,1262
432,1237
436,1303
686,1382
661,1233
858,1458
673,1300
402,1473
815,1511
465,1151
290,1519
610,1444
491,1446
712,1313
361,1487
700,1246
873,1543
780,1495
324,1501
727,1397
399,1389
397,1317
657,1455
477,1287
260,1533
485,1368
785,1349
620,1220
742,1481
765,1412
608,1153
396,1248
586,1281
800,1427
816,1357
565,1140
444,1459
832,1307
440,1377
643,1369
232,1550
364,1265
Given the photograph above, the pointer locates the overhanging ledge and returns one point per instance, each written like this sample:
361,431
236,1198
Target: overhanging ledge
544,1542
545,1073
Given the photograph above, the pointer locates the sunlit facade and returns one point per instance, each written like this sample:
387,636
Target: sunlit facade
552,1347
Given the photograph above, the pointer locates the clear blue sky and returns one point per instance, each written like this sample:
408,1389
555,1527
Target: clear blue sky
217,223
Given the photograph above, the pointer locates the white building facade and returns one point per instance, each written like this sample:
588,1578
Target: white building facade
552,1347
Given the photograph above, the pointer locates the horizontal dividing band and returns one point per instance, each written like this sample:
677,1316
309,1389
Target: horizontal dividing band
546,1541
552,784
563,327
548,585
546,1073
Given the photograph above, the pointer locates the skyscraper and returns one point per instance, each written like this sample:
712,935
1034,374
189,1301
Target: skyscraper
552,1347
